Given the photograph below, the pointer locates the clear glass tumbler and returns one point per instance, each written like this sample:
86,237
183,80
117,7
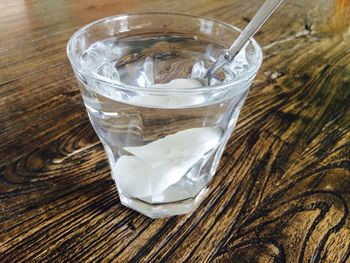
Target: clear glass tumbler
163,141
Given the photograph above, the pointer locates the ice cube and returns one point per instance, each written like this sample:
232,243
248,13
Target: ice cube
162,163
96,55
148,72
171,101
181,190
191,142
136,178
108,70
129,171
135,71
198,70
180,84
239,64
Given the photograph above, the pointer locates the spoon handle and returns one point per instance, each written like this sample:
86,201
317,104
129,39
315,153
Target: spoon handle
265,11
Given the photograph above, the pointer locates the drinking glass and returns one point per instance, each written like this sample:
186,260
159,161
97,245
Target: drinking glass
162,130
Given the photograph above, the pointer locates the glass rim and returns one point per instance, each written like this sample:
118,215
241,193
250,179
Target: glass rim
74,59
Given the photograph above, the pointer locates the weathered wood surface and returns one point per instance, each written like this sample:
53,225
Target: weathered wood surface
282,193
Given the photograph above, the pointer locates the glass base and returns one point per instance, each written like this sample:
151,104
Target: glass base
163,210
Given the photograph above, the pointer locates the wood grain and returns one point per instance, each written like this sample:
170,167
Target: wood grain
282,192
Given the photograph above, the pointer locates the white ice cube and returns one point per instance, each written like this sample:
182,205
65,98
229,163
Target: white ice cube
198,70
160,164
191,142
180,84
171,101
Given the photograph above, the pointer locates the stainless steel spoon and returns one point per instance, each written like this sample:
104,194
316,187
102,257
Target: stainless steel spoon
265,11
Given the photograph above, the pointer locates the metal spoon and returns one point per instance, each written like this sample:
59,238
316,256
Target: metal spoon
265,11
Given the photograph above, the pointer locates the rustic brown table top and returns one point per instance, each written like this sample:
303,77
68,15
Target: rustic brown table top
282,192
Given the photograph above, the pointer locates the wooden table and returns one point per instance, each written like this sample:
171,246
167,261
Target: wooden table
282,192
